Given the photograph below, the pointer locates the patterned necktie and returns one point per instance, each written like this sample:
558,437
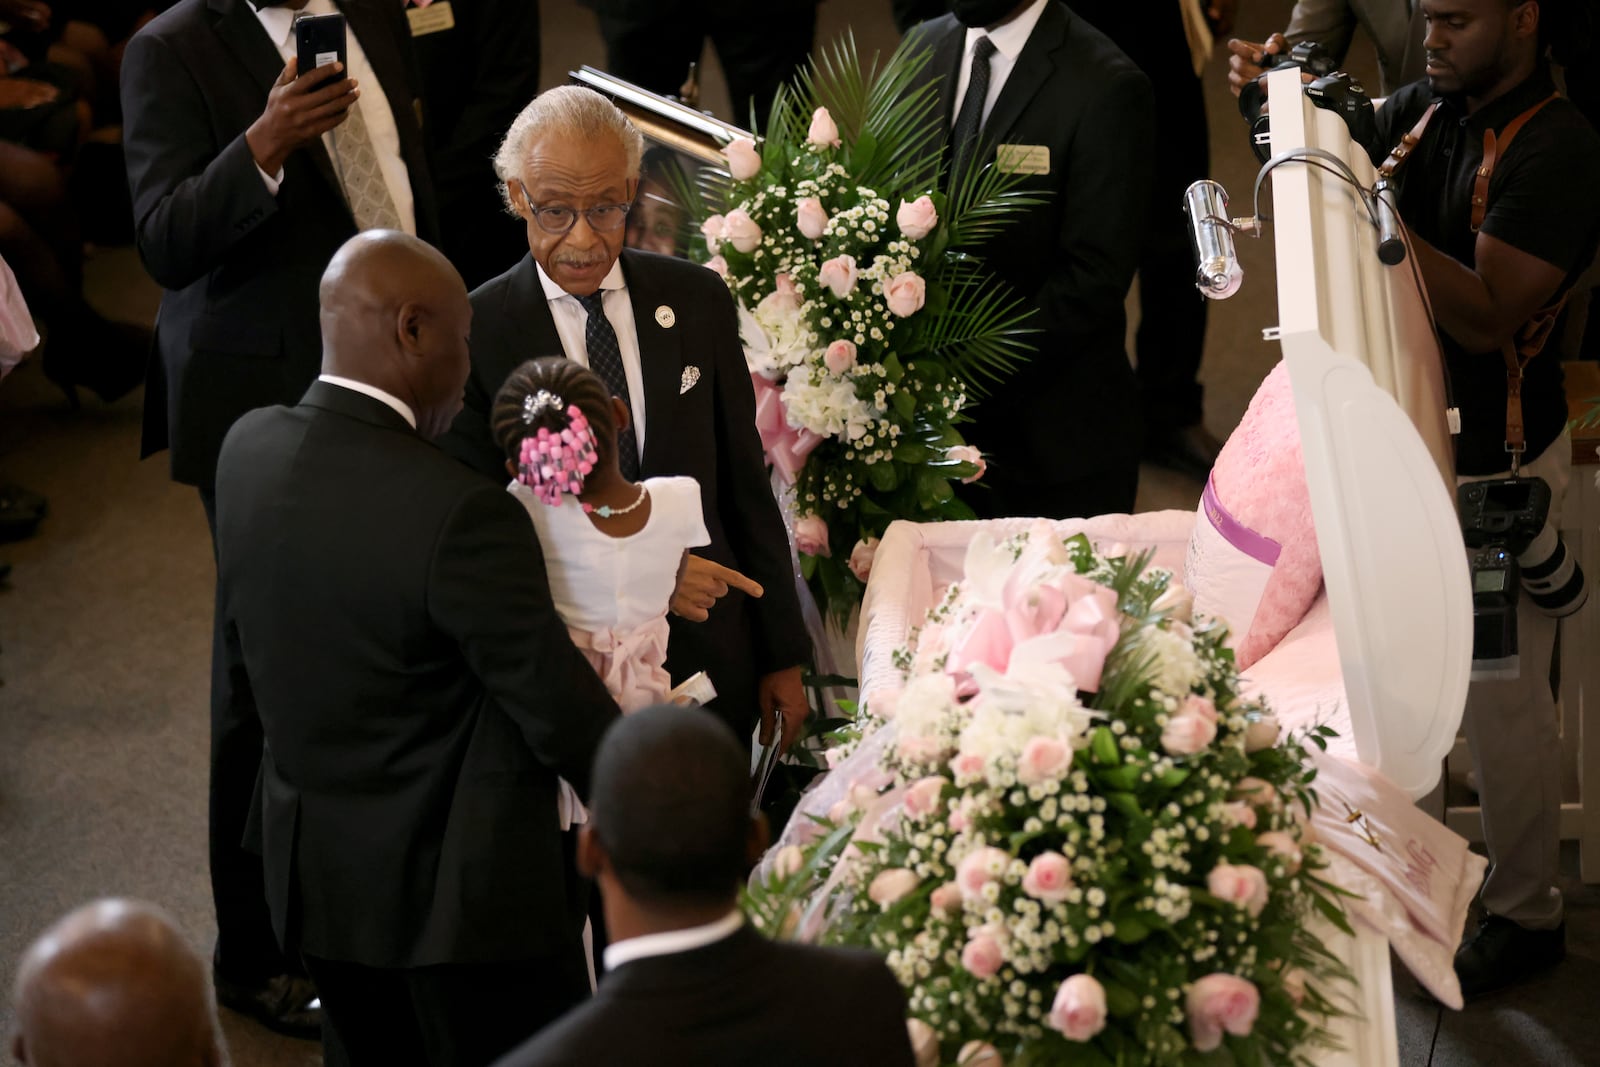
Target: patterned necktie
969,120
605,359
357,163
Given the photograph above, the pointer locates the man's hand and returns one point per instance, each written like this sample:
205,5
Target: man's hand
25,92
1244,65
701,583
781,693
26,14
299,110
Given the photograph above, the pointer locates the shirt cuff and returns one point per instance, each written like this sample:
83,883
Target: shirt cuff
271,181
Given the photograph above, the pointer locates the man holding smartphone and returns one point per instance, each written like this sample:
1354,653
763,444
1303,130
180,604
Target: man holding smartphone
247,174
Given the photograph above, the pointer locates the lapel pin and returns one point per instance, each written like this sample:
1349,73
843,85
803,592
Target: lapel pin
666,317
690,374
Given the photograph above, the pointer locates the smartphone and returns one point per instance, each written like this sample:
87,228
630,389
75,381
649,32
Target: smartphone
320,39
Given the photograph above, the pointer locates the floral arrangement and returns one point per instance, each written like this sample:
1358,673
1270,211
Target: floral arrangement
1072,839
865,326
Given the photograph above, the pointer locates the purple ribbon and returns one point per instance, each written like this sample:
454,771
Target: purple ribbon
1235,532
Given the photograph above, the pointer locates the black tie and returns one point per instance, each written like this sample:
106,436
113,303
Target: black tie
605,359
969,120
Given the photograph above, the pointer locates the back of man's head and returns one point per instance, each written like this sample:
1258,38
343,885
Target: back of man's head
114,983
670,805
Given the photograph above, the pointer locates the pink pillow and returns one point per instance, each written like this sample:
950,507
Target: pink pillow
1253,553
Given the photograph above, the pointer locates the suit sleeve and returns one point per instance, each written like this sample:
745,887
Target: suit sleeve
1104,195
193,200
1331,23
487,589
505,79
750,515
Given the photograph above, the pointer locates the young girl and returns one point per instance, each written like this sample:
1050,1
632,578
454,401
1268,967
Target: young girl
612,547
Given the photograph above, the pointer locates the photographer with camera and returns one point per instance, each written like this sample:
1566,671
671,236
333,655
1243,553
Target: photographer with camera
1495,175
1396,28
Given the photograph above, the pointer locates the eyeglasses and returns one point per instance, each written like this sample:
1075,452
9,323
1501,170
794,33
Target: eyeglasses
557,220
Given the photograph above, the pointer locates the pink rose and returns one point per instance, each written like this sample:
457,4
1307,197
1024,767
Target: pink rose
946,900
905,294
861,558
960,821
783,298
810,217
788,860
968,454
1194,704
883,703
1256,791
889,886
979,1054
1049,878
917,218
924,1043
823,132
914,748
839,275
741,231
1243,885
1043,759
1284,847
923,796
1294,984
978,868
1261,733
839,357
1221,1002
743,159
1238,813
811,536
720,265
1187,733
982,955
841,811
711,230
968,765
783,285
1079,1010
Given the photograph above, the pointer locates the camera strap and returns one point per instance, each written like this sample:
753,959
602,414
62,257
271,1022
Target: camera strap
1492,148
1408,143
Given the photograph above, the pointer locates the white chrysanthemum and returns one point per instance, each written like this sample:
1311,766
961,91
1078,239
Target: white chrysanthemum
828,406
774,338
1177,668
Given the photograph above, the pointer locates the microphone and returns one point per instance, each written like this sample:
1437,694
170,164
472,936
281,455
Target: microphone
1391,242
1218,275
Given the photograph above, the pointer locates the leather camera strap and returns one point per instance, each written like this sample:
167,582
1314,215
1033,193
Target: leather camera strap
1492,148
1408,143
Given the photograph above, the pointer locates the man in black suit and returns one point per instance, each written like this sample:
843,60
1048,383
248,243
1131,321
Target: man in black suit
479,61
669,839
241,176
663,335
1062,105
419,693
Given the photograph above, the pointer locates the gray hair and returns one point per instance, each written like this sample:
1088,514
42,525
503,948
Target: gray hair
570,109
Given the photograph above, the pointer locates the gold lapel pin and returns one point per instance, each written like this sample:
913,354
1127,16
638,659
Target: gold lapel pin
665,317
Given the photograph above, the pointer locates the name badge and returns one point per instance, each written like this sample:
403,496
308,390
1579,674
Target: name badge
1023,158
431,19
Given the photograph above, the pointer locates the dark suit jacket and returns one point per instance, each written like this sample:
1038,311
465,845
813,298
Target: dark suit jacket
742,1000
1075,404
476,77
707,432
238,322
418,692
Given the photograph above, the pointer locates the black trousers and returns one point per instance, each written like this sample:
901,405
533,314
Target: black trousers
247,950
453,1015
760,46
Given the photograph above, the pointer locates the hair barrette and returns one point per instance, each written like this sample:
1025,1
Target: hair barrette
534,403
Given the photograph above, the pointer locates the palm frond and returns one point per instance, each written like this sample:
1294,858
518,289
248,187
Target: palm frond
982,334
982,203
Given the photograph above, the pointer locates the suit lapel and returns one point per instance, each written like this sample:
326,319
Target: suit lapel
242,33
530,329
1034,66
946,68
660,349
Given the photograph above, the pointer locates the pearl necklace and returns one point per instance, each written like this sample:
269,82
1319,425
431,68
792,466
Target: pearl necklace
606,511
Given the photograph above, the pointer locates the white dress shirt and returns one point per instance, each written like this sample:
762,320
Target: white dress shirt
278,22
1008,41
672,942
400,406
572,321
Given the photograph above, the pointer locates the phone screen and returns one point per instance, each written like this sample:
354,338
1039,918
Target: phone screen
320,39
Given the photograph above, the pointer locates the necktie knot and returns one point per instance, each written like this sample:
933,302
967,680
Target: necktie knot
982,49
594,303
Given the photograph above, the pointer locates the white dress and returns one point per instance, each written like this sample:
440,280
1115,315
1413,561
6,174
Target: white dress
613,592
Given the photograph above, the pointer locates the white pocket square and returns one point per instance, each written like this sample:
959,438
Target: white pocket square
691,375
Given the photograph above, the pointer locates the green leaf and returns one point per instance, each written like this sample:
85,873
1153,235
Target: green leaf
1126,803
884,476
1103,746
1132,930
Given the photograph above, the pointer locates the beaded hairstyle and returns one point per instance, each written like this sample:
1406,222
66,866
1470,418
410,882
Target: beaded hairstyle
553,419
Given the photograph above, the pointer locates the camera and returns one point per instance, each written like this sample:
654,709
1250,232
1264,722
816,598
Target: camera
1341,94
1307,55
1505,521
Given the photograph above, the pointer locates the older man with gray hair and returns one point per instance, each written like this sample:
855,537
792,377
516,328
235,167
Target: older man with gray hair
663,335
114,984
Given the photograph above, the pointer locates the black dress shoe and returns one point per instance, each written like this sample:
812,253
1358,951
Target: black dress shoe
285,1003
1502,953
1189,450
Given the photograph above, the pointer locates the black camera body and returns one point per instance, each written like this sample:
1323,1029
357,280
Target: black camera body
1309,56
1343,95
1496,582
1503,511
